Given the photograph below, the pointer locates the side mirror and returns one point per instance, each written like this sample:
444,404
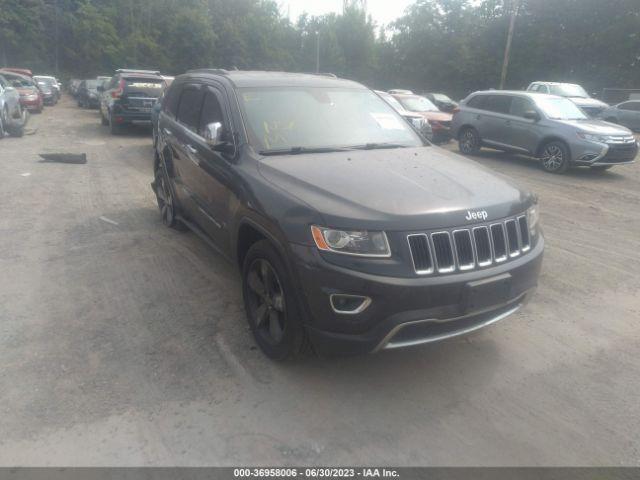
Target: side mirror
216,137
531,115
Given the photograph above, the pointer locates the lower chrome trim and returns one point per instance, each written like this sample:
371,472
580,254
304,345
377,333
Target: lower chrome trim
387,341
366,301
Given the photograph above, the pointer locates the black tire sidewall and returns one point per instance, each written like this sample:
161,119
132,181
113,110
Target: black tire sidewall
293,337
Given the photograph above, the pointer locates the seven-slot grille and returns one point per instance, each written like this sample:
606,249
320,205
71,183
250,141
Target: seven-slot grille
466,249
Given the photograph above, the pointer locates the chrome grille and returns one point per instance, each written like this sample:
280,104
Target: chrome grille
468,248
443,252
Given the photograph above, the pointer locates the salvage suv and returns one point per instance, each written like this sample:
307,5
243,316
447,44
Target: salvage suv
550,128
129,98
351,232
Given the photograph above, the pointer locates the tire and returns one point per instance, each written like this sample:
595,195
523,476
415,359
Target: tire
554,157
601,168
4,122
469,142
271,305
166,200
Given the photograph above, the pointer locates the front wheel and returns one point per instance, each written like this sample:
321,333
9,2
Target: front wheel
554,157
270,304
469,141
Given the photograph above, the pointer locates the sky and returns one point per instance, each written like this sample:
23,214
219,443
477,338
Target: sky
382,11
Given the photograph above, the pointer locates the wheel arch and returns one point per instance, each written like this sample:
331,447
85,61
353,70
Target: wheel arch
549,139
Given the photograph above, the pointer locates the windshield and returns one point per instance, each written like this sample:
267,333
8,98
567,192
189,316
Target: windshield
417,104
144,86
316,117
560,108
45,80
567,90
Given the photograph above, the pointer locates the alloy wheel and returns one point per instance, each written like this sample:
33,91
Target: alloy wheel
552,157
164,198
266,301
468,141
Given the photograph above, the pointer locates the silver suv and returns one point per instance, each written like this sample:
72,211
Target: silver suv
547,127
573,92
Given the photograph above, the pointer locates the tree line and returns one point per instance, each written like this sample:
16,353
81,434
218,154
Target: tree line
453,46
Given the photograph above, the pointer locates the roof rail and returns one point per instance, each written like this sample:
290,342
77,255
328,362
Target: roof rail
217,71
134,70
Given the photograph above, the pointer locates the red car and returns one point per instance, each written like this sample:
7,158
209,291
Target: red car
440,121
30,96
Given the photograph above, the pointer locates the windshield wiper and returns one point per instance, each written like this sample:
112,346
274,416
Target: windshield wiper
375,146
299,150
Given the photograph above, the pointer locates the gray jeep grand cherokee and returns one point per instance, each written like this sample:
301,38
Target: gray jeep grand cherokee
548,127
352,234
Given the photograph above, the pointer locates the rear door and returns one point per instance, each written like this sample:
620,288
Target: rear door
495,119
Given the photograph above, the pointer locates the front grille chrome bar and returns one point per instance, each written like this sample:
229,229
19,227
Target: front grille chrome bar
466,249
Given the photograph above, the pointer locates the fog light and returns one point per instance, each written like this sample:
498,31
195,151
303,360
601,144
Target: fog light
348,304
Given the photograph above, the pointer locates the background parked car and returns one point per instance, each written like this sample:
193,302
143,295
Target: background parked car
415,119
12,117
22,71
88,94
130,98
440,121
547,127
52,82
625,113
49,96
442,101
30,96
573,92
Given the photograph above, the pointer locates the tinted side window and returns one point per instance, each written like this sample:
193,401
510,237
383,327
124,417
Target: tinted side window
534,87
633,106
189,108
477,101
498,103
520,105
211,112
170,101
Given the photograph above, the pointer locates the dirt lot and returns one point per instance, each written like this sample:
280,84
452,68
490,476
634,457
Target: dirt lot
123,342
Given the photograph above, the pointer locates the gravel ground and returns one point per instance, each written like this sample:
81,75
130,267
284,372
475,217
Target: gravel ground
124,343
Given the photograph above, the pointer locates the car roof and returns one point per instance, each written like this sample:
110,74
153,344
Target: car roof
555,83
521,93
249,78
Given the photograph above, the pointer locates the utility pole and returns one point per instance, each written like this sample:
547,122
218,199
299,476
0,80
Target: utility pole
55,16
507,49
318,51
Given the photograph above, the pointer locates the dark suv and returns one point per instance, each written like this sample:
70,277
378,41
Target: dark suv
351,233
129,98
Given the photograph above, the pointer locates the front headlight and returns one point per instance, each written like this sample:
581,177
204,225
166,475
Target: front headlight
590,137
363,243
533,215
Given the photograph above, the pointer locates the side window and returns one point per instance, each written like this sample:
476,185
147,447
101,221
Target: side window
534,88
498,103
543,89
211,112
170,101
477,102
520,105
189,108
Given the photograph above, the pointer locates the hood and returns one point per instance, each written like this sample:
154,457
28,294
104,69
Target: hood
597,127
437,116
394,189
588,102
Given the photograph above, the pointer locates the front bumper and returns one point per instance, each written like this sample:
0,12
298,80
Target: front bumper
404,311
31,104
592,154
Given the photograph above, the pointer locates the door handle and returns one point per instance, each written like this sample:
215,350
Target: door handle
478,117
191,149
167,131
508,122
